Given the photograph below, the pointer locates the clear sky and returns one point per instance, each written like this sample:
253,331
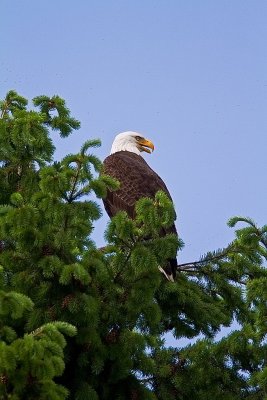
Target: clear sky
190,75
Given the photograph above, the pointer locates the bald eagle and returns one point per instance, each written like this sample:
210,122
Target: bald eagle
137,180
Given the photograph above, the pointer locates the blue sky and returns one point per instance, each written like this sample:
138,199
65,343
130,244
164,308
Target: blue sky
190,75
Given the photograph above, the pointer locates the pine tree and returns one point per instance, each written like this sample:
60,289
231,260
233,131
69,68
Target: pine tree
84,323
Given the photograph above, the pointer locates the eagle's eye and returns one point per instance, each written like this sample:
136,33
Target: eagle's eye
138,138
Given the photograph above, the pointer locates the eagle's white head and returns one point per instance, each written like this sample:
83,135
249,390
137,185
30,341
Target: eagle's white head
131,141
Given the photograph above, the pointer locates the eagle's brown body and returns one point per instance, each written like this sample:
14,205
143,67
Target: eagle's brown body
137,180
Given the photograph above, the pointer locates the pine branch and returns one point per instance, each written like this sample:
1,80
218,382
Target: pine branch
71,197
122,268
194,264
147,380
4,110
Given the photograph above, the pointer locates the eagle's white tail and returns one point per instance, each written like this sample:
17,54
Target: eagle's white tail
169,277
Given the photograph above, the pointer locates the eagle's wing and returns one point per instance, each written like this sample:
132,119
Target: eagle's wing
136,179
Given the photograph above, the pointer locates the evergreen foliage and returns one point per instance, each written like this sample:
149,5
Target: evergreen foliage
83,323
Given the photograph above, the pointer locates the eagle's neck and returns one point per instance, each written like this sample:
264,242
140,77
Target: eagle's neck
124,146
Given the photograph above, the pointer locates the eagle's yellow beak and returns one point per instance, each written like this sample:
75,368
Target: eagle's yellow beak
145,145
